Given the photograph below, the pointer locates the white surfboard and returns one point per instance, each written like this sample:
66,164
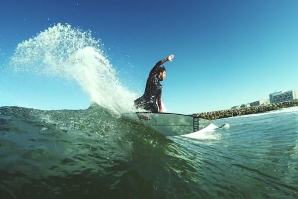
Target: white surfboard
169,124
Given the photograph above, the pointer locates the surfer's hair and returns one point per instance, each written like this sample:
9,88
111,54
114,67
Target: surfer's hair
160,69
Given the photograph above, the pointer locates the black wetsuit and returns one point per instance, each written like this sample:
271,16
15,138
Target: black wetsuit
152,95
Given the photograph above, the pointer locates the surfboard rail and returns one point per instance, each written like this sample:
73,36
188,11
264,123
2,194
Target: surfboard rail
169,124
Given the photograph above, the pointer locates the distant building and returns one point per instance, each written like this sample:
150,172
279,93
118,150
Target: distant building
245,105
260,102
282,96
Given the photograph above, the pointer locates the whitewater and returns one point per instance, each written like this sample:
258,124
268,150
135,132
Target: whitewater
65,52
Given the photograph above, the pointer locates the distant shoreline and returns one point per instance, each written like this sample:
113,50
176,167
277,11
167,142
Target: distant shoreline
213,115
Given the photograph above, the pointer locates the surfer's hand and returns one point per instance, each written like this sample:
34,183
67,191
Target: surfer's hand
171,57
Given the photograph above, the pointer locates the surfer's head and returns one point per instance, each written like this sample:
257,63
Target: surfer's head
161,72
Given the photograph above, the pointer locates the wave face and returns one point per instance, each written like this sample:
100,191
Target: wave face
94,154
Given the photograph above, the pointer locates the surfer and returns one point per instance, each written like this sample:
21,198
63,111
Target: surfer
152,95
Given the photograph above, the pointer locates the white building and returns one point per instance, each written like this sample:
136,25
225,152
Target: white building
260,102
283,96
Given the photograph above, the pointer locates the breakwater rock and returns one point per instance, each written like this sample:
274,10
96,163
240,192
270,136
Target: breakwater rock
245,111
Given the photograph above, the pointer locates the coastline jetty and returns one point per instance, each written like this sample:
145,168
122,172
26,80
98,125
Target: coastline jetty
213,115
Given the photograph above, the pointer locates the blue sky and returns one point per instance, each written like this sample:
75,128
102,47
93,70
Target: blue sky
226,52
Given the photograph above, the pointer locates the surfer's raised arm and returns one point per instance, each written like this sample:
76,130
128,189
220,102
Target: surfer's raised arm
159,63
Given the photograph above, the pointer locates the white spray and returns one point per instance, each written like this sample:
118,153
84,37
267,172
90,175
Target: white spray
66,52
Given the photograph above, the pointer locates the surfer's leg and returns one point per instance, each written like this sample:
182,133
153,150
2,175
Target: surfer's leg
153,107
138,103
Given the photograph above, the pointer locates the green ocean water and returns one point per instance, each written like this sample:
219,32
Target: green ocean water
94,154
